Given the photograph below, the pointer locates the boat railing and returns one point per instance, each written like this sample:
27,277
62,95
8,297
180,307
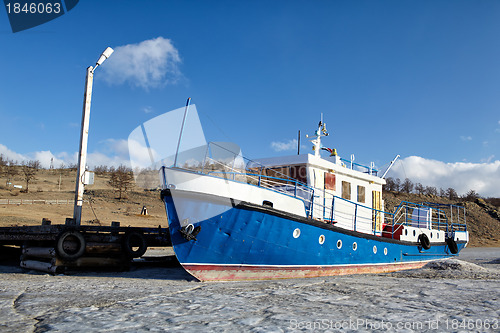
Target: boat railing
288,187
351,215
431,216
219,161
456,214
360,167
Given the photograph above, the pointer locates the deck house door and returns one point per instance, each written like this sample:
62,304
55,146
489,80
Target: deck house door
376,215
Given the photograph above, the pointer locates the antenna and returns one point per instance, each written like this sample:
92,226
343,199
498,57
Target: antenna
390,166
298,144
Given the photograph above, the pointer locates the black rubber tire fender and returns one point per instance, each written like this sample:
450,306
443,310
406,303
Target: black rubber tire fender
70,254
424,241
452,245
131,240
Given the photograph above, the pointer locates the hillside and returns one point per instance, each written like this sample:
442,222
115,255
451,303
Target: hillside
102,206
483,219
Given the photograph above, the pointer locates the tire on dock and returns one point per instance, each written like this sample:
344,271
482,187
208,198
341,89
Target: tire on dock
134,244
70,245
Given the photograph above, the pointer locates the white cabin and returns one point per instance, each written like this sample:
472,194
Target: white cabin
331,177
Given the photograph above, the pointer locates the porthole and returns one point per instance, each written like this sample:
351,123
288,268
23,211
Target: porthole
321,239
374,249
354,246
339,244
296,233
385,251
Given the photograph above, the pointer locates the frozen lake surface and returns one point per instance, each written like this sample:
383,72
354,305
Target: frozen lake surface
454,295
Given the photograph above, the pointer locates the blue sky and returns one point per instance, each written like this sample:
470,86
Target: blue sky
415,78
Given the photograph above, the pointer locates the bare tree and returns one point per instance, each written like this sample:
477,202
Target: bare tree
29,170
397,185
121,180
100,169
10,171
389,184
419,188
451,194
431,190
471,195
407,186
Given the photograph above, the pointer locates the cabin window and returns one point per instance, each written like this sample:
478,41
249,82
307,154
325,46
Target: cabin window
361,194
330,181
299,173
346,190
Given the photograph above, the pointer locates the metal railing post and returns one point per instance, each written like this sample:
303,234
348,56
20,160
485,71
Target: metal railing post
355,215
332,209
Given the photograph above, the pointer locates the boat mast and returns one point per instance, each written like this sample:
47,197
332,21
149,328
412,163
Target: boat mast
320,132
182,129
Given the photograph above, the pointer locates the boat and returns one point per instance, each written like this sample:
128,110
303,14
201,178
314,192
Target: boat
298,216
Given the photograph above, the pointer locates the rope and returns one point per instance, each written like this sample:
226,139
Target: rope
92,208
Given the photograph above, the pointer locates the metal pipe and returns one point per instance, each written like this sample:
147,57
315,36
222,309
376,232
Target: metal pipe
47,267
41,252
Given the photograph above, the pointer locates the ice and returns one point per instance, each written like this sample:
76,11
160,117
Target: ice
439,297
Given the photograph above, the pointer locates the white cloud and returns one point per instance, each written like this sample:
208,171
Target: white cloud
284,146
11,155
112,153
148,64
483,178
466,138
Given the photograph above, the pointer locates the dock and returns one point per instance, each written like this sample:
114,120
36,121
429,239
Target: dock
54,248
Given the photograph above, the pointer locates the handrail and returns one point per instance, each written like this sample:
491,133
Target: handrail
242,170
373,170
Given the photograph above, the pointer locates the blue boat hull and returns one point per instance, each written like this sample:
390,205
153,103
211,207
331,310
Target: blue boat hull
242,241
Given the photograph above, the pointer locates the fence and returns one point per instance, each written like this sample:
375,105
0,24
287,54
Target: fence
36,202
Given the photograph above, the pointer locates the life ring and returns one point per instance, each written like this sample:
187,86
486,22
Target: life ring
452,245
70,245
424,241
134,244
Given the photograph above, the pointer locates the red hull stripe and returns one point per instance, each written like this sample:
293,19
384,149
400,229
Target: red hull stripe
210,272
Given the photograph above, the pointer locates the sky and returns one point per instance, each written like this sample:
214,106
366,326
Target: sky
416,78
